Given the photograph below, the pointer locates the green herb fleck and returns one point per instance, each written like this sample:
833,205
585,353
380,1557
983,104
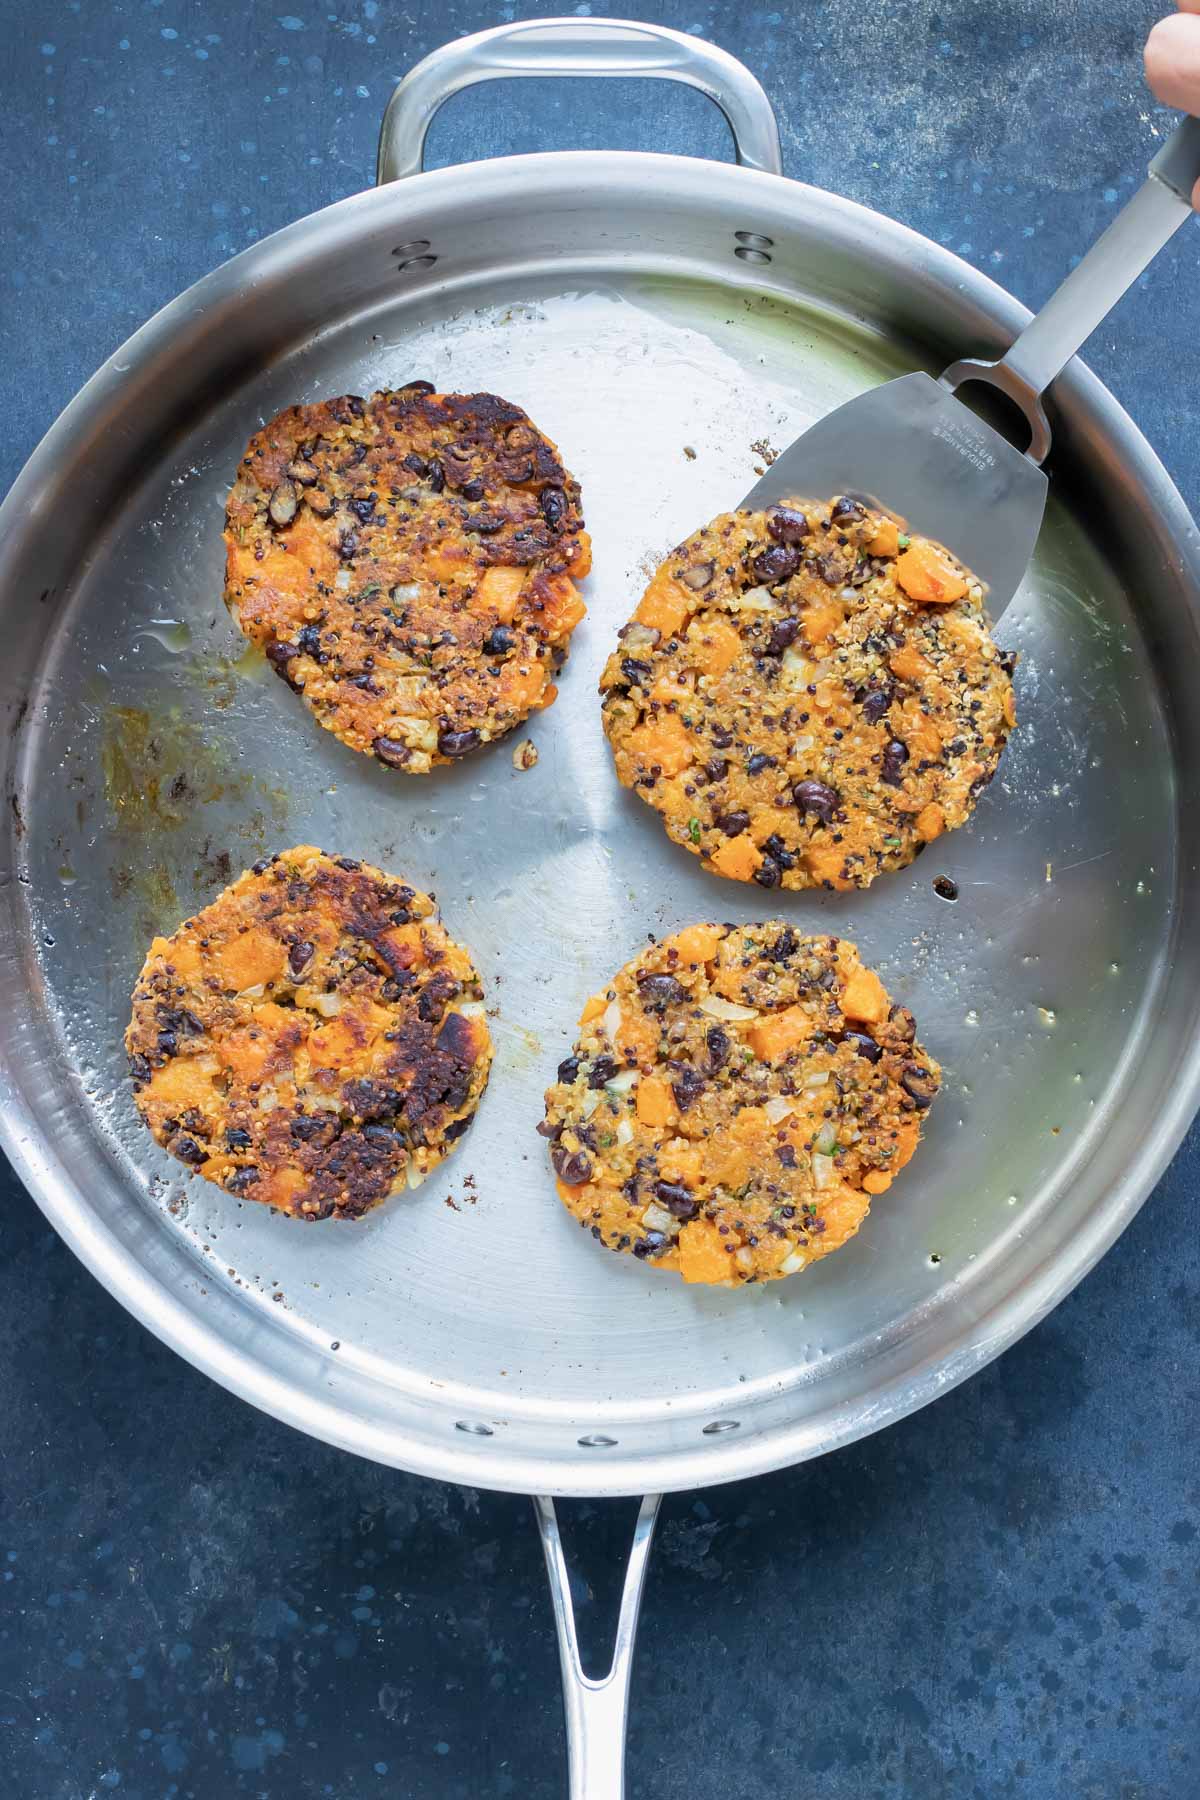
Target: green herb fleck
891,843
904,540
694,830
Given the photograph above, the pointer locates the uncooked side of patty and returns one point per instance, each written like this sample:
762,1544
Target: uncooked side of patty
808,695
313,1039
737,1097
406,564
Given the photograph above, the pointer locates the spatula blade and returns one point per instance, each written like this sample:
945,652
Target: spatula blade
911,447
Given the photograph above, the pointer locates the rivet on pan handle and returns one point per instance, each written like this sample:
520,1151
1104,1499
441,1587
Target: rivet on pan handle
578,46
596,1708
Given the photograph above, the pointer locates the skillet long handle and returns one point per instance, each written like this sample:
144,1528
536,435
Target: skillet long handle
576,46
1140,230
596,1707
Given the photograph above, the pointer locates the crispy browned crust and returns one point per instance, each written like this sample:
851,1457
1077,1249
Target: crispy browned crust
737,1096
405,562
794,714
313,1039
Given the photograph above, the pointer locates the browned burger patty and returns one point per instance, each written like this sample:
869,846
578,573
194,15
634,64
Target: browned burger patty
737,1097
808,695
406,564
312,1039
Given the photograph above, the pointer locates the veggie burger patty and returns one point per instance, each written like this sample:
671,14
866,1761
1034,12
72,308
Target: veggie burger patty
738,1096
406,564
312,1039
808,695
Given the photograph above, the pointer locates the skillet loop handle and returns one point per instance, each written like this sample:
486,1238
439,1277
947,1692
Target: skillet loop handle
596,1707
576,46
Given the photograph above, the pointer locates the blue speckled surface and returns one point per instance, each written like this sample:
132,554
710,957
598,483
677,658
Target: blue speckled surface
997,1597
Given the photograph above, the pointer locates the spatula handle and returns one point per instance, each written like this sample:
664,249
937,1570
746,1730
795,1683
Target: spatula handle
1094,286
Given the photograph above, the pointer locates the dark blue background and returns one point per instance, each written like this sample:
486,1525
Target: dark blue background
997,1597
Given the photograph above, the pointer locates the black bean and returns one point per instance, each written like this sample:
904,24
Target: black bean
391,751
236,1138
767,873
458,743
845,509
919,1083
238,1180
894,759
417,387
188,1150
760,761
347,544
415,464
816,797
308,641
786,525
716,768
319,502
717,1041
636,672
553,503
777,563
877,703
677,1199
832,572
945,888
302,471
484,523
863,1044
785,945
280,654
699,575
167,1044
499,641
437,476
281,507
783,634
1007,660
733,823
660,990
687,1084
721,737
568,1068
776,848
362,509
299,957
139,1069
572,1167
786,1154
601,1072
547,1130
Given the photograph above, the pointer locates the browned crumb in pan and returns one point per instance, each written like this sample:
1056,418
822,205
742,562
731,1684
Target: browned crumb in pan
808,695
406,563
313,1039
737,1097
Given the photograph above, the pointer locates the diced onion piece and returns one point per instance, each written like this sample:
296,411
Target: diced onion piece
341,580
718,1008
472,1009
254,993
818,1079
589,1102
803,744
755,599
796,670
328,1005
267,1097
624,1133
657,1218
414,1176
779,1107
793,1263
316,1101
610,1020
826,1138
745,1256
408,590
621,1084
823,1171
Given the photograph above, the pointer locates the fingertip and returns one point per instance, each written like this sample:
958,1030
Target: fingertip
1172,59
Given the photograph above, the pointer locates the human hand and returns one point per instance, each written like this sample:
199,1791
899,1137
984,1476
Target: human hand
1173,63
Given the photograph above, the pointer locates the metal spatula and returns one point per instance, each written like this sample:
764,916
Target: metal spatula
915,449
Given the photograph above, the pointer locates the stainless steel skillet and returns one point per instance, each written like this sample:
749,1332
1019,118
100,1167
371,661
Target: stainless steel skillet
660,317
